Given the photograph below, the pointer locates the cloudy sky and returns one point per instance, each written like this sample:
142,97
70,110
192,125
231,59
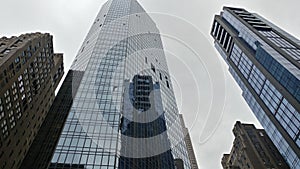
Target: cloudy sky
206,93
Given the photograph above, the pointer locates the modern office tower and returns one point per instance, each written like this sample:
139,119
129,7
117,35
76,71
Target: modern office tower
124,113
252,148
265,62
189,145
29,75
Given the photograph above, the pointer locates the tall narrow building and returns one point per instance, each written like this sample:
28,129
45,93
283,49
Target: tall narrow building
123,112
265,62
189,145
252,148
30,71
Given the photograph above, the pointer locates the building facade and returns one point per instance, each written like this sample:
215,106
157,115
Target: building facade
143,119
40,152
29,74
264,60
252,148
189,145
123,112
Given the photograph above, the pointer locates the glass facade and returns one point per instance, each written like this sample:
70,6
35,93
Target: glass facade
144,142
124,74
265,63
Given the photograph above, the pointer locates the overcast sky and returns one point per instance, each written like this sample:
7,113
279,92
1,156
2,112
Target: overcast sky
206,93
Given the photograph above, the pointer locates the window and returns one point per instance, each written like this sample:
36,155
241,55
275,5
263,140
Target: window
24,53
17,60
11,66
6,51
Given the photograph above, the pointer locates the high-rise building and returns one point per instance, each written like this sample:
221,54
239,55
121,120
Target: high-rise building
123,112
40,153
264,60
189,145
29,73
252,148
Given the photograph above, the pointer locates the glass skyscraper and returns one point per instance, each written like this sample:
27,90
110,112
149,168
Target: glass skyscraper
265,61
123,112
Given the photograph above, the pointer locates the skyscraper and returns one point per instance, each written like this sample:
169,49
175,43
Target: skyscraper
252,148
265,62
40,152
123,112
29,73
189,145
